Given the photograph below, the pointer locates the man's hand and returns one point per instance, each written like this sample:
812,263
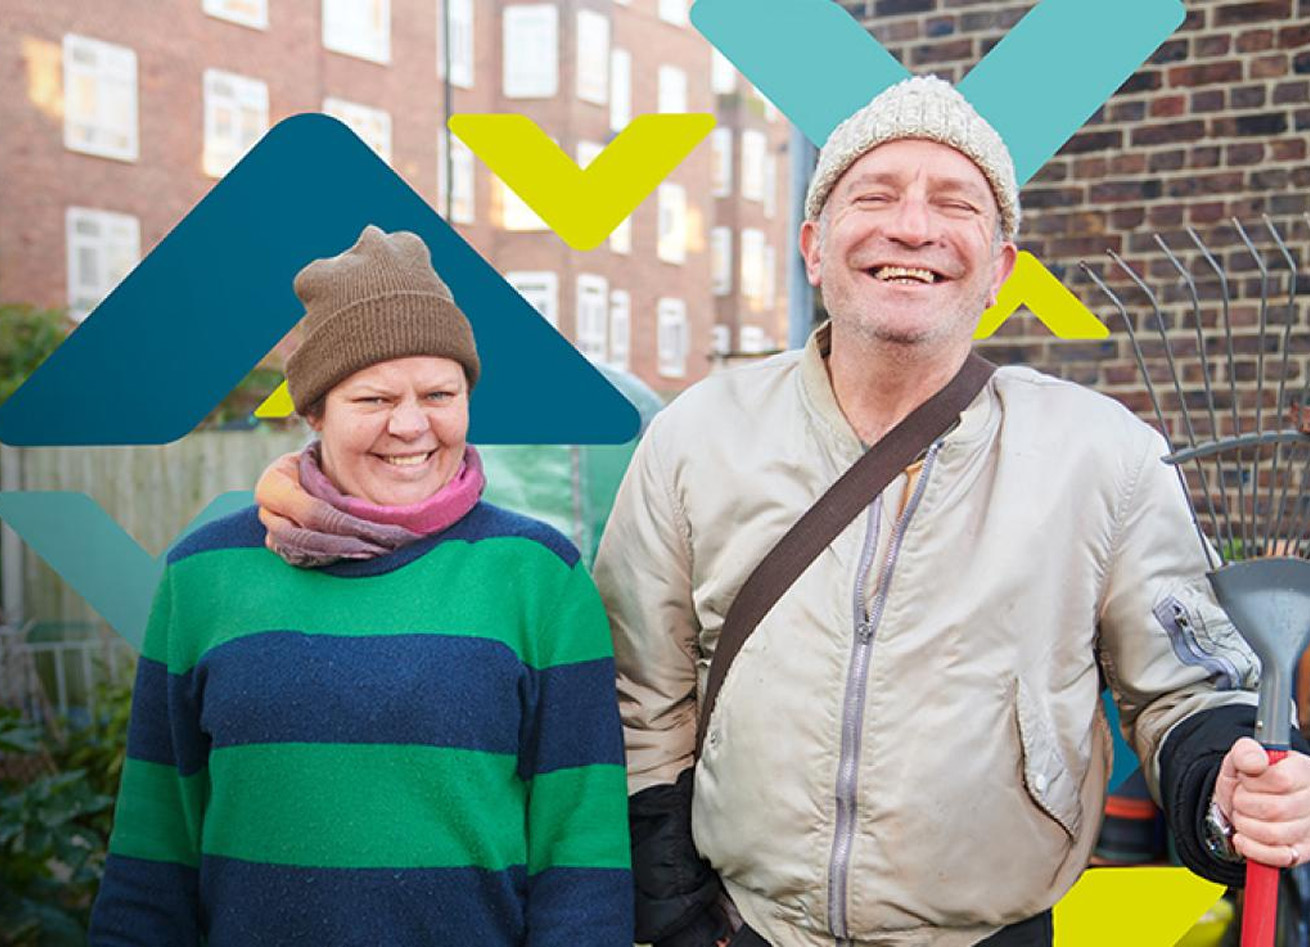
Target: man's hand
1268,806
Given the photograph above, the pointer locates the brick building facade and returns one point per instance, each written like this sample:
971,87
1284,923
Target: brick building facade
1214,125
119,117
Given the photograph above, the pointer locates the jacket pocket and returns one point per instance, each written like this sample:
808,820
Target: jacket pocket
1046,776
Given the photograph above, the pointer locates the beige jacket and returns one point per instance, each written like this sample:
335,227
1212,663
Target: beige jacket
910,749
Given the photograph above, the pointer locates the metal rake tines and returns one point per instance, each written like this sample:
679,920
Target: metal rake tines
1243,429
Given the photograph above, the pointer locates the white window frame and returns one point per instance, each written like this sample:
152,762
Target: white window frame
721,261
621,237
462,49
620,329
107,125
723,74
515,214
770,276
586,153
673,11
620,94
248,97
463,206
754,152
231,10
117,248
347,28
721,161
372,125
593,61
540,288
672,86
591,329
671,341
752,264
518,24
720,340
672,201
770,185
752,340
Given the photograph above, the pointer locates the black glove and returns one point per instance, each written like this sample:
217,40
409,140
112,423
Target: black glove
676,891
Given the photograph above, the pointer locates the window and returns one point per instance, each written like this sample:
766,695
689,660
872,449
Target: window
102,249
593,56
770,185
720,340
672,337
246,12
531,51
770,276
540,289
753,340
587,151
752,264
461,43
721,260
236,116
593,316
621,237
674,11
515,214
620,328
360,28
372,125
672,90
721,148
99,98
461,161
723,75
673,223
770,110
620,89
753,149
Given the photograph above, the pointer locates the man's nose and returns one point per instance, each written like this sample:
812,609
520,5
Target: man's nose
406,420
911,222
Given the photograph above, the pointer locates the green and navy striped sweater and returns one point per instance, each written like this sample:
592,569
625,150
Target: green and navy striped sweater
418,749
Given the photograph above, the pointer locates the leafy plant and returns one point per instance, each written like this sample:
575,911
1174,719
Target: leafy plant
54,829
27,336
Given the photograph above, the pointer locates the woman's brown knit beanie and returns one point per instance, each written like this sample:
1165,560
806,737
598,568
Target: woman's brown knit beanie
379,300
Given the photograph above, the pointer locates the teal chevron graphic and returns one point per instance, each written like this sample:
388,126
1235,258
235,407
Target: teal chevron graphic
1036,87
215,296
96,556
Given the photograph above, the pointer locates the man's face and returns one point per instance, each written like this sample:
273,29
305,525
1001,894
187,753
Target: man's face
906,250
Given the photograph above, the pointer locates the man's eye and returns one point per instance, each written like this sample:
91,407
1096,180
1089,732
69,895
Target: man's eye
440,395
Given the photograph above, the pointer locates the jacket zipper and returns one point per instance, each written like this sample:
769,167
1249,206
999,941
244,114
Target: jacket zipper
866,624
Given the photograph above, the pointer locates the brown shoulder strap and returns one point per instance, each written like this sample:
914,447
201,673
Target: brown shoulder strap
831,513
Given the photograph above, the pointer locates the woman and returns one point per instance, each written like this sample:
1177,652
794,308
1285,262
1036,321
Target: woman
388,716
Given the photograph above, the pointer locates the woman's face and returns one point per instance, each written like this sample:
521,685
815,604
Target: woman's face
393,433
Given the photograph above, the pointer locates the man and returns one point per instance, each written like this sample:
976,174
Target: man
909,749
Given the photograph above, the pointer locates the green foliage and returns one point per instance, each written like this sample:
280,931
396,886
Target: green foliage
27,336
54,829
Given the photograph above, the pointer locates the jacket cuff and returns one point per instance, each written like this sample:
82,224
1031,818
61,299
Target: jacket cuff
676,890
1189,766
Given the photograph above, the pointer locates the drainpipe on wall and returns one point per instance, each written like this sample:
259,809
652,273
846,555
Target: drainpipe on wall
800,294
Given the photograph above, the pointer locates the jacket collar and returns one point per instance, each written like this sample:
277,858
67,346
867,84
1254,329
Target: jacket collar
821,402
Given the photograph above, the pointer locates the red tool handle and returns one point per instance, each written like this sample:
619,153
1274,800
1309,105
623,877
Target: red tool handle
1260,902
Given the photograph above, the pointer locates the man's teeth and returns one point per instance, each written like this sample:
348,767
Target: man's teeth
904,274
407,460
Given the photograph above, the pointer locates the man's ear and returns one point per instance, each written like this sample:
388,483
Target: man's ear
1005,259
809,244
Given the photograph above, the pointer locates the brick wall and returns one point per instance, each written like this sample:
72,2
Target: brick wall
1214,125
